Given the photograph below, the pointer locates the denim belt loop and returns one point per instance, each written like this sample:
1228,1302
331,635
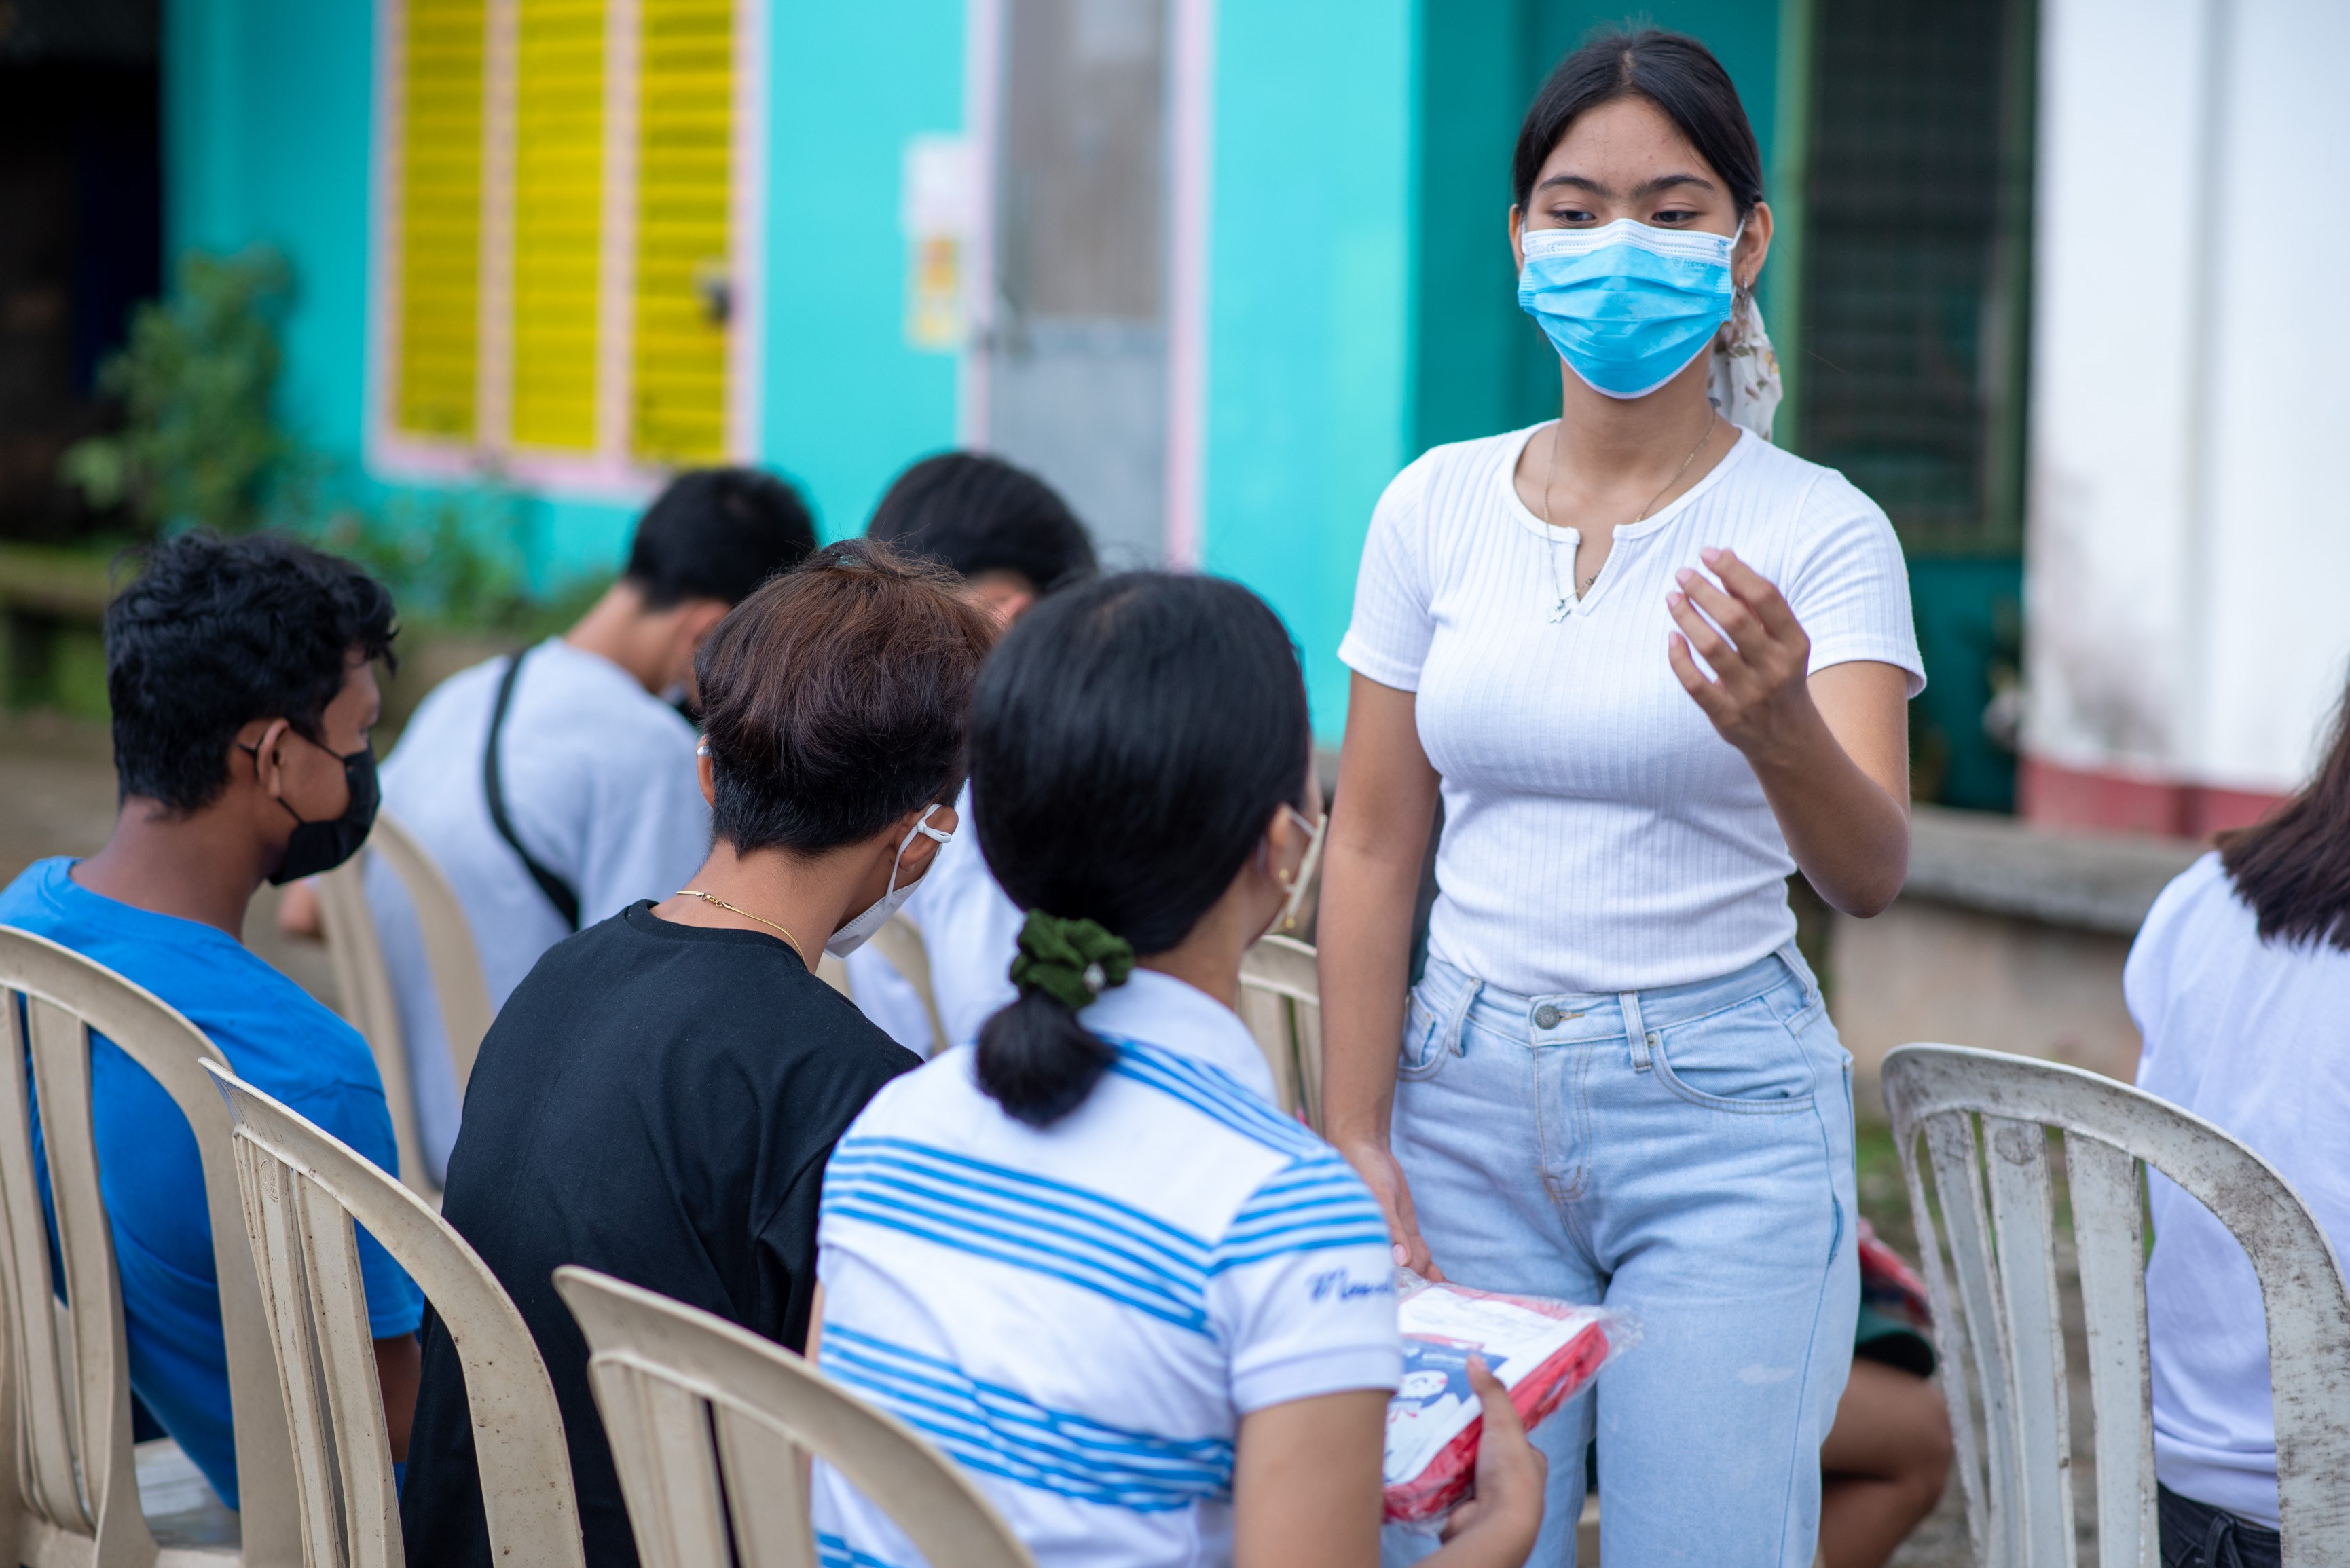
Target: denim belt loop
1634,1031
1793,957
2219,1549
1456,1018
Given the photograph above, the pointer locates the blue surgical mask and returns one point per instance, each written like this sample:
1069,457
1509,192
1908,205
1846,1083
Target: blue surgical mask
1627,306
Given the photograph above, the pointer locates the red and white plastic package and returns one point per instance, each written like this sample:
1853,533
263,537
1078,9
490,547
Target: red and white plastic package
1544,1352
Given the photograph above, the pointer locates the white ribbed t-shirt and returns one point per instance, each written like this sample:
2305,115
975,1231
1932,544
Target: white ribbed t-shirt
1599,834
2249,1035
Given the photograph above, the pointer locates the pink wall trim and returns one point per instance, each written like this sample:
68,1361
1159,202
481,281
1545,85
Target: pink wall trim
1192,134
2051,796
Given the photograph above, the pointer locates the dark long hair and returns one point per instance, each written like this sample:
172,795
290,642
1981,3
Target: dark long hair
1129,739
1671,70
2292,867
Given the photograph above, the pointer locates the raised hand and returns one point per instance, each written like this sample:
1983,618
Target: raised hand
1760,696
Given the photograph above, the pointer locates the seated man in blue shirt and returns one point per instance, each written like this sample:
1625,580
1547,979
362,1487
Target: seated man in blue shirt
240,675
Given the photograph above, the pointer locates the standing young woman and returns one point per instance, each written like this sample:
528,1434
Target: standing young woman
1652,665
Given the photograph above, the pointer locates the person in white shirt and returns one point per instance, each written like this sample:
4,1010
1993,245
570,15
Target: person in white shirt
556,786
1011,539
2240,981
1652,665
1152,1318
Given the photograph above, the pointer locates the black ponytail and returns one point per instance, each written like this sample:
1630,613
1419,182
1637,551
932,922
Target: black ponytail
1037,1060
1129,738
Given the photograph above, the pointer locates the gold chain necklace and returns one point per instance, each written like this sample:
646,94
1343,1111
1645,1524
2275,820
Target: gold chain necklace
1550,472
738,909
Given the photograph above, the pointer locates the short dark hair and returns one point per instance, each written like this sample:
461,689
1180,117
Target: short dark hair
1671,70
1130,741
717,533
215,633
835,699
2292,867
978,514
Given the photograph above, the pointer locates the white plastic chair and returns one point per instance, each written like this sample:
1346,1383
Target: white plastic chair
711,1427
69,1491
365,984
302,1190
899,940
1281,1002
1982,1117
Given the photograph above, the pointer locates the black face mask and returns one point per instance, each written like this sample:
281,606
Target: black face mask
322,845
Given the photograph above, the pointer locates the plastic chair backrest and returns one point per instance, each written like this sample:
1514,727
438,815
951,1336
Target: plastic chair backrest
709,1425
1281,1002
1982,1116
900,941
365,983
69,1366
302,1190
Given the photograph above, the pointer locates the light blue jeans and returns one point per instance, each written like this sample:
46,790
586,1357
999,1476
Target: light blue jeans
1686,1154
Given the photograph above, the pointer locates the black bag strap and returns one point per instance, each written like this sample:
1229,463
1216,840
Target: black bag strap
558,892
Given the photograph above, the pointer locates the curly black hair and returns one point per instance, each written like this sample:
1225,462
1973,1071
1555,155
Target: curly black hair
215,633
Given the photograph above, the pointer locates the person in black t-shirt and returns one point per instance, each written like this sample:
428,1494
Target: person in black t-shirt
658,1098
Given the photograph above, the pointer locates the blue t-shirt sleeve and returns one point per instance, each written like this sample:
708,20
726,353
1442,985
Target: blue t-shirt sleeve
360,1118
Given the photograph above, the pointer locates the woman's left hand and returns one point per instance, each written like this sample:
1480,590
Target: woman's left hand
1760,699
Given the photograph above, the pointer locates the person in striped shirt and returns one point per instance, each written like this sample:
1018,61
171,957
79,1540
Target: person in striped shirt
1089,1259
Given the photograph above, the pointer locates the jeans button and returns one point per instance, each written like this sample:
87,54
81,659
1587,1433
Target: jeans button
1546,1016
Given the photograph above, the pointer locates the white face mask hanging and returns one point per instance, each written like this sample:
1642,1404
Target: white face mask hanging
858,931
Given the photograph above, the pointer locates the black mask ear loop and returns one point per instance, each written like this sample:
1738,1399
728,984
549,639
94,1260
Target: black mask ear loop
255,753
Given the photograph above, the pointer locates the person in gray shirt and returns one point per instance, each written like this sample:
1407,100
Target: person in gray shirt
555,786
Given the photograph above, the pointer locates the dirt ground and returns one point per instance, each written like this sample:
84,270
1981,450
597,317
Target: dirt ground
57,798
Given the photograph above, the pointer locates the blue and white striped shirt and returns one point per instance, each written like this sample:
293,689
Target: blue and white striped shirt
1080,1317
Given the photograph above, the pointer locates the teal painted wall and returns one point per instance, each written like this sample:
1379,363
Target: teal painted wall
1473,342
848,403
1359,300
1309,347
268,113
266,109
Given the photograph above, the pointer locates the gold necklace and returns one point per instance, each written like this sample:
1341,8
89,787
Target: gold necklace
738,909
1550,472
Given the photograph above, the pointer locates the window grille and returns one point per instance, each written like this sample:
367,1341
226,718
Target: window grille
567,270
1917,260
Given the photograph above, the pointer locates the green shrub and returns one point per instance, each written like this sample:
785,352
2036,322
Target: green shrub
200,445
450,556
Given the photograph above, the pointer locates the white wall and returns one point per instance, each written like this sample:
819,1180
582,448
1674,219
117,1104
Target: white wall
2190,520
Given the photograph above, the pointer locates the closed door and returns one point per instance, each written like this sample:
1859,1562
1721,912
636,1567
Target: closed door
1076,349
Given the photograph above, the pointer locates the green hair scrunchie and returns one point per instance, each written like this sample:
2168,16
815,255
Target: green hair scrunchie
1072,961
